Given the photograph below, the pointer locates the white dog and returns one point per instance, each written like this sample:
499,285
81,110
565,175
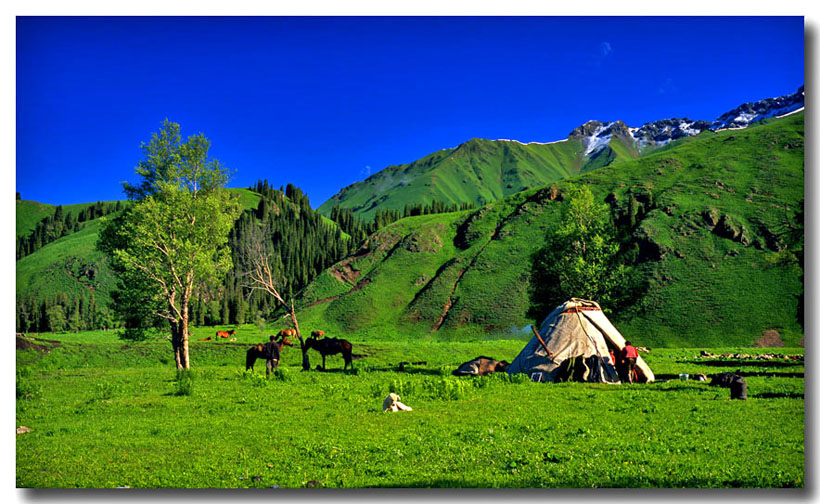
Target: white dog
393,403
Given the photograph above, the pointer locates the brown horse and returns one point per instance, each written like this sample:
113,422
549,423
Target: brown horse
269,351
330,346
226,334
286,333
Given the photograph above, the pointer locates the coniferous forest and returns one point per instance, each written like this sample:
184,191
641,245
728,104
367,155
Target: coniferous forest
301,241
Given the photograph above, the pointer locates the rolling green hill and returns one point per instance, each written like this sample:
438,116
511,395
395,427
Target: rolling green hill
713,206
72,273
70,268
29,213
478,171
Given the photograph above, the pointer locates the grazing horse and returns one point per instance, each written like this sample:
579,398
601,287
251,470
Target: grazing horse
286,333
330,346
226,334
269,351
205,339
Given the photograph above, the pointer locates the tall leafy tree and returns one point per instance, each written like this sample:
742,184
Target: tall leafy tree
581,258
173,239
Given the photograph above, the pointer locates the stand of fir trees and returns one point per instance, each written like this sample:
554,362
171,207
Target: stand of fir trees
59,224
301,244
62,313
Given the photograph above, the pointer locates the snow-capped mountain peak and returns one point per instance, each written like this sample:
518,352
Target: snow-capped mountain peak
750,112
596,135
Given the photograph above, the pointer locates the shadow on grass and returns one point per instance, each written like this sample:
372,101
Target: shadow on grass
688,388
771,374
778,395
572,487
408,370
319,369
737,371
736,363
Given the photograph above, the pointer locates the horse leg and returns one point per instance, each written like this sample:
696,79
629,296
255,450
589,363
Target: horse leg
324,368
267,368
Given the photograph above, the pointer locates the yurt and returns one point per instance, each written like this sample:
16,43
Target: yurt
573,344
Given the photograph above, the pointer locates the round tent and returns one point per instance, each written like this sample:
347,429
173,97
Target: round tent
574,344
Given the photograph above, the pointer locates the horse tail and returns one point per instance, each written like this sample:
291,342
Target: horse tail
347,351
250,358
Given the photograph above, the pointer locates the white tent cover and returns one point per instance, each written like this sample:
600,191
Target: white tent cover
576,328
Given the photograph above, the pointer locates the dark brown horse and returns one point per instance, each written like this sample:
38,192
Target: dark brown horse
269,351
330,346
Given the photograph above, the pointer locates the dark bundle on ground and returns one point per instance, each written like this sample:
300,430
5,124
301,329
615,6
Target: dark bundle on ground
735,383
481,366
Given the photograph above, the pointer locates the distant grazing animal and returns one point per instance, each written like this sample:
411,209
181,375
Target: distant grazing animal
205,339
269,351
330,346
226,334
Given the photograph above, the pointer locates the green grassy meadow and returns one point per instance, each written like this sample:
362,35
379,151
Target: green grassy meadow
109,413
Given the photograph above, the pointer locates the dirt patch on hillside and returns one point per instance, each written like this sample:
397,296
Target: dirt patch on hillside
41,345
770,338
344,273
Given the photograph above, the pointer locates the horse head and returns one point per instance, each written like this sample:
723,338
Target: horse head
286,341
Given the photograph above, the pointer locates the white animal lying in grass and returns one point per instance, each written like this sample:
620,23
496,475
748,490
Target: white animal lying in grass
393,403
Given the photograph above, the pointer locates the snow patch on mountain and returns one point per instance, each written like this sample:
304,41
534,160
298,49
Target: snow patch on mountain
801,109
597,135
597,141
751,112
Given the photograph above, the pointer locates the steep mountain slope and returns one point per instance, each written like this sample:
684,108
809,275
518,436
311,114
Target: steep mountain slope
712,208
477,171
481,171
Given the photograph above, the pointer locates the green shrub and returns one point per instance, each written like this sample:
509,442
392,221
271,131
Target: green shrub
184,383
26,389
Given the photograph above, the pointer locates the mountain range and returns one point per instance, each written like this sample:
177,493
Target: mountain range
480,171
708,230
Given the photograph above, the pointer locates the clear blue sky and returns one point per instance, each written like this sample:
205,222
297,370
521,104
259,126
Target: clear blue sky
324,102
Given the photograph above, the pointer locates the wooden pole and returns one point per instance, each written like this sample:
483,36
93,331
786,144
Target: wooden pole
540,340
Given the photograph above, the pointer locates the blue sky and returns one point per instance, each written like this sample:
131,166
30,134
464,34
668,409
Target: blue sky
324,102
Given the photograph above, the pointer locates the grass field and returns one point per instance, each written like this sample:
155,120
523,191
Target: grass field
108,413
